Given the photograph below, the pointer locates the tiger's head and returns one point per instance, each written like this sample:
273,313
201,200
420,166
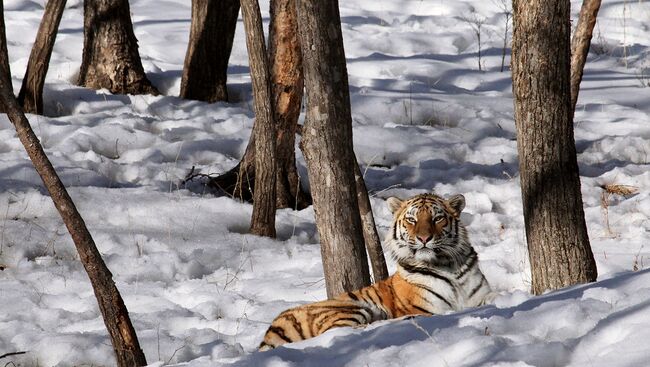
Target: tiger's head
427,232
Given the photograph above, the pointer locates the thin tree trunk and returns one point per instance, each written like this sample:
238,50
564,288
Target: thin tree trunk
263,219
580,45
116,317
110,56
206,62
370,235
327,147
556,232
31,92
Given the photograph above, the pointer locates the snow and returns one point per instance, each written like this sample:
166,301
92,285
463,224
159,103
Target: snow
201,291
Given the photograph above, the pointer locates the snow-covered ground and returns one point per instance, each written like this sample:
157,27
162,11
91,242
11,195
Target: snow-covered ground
201,292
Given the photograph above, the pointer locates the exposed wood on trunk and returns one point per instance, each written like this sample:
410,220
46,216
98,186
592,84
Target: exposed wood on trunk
206,62
558,243
285,61
370,235
110,56
580,45
327,146
31,92
263,219
116,317
287,87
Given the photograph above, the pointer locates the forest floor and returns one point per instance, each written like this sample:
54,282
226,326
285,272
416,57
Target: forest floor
201,292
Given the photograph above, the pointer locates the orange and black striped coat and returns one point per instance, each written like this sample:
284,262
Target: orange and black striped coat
437,272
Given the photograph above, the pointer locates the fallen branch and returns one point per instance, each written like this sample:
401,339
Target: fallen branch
11,354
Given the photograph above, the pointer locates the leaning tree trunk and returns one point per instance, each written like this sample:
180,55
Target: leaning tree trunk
263,219
558,243
31,92
327,146
206,62
110,56
116,317
580,45
370,235
287,87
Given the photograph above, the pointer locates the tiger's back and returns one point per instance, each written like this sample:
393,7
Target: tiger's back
437,271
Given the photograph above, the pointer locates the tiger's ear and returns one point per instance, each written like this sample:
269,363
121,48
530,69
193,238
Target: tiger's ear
394,204
457,202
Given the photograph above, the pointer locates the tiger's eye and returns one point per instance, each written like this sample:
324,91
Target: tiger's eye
438,219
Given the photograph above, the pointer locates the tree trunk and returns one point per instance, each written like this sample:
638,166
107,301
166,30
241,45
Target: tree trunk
287,87
116,317
370,236
110,56
206,62
580,45
558,244
31,92
263,219
327,146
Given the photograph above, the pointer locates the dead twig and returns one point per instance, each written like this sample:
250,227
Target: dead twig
11,354
191,176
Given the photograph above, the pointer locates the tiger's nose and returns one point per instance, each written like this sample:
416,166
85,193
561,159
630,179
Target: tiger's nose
424,239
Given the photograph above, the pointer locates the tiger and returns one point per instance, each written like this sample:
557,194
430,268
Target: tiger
437,272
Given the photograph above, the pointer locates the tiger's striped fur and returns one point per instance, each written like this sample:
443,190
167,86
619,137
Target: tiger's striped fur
437,272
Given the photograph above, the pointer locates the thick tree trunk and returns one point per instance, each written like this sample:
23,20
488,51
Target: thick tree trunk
327,146
116,317
31,92
370,235
287,87
558,244
580,45
206,62
263,219
110,56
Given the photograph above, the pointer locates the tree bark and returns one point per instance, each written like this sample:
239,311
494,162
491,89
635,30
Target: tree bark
370,235
327,147
30,96
116,317
211,38
556,232
110,56
580,45
287,87
263,219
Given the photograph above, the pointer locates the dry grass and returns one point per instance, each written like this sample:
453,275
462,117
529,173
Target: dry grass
622,190
608,191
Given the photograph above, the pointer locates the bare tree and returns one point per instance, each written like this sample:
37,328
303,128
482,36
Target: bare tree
31,92
327,146
206,62
287,88
506,9
263,220
116,317
110,56
580,45
558,244
476,22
